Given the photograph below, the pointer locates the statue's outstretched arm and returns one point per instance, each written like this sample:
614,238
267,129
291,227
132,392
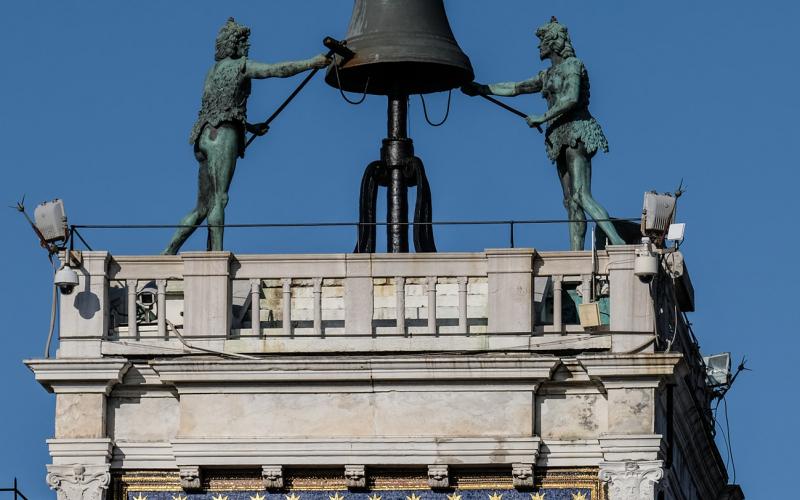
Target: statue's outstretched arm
286,69
510,89
507,89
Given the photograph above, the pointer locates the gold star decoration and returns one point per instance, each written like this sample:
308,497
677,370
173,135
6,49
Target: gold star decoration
414,497
374,496
140,497
336,496
219,497
179,497
496,496
578,496
257,497
537,496
292,497
454,496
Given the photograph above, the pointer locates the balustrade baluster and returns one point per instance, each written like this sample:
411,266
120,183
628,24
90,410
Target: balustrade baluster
557,290
133,327
431,286
161,286
255,307
318,307
400,304
287,306
463,327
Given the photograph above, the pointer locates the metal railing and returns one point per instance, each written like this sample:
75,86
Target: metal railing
14,489
510,223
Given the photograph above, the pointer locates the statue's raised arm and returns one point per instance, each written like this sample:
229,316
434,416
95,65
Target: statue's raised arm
573,135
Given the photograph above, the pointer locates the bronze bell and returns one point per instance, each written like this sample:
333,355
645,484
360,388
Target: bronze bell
401,47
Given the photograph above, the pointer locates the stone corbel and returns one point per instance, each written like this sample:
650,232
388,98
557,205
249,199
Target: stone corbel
522,475
78,482
631,480
272,475
355,476
438,476
190,478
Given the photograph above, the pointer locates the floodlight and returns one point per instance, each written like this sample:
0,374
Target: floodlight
718,369
51,221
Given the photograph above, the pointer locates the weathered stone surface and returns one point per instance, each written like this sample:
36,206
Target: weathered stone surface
436,413
564,415
80,416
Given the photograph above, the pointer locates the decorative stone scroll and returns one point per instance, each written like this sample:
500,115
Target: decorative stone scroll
438,476
355,476
631,480
76,482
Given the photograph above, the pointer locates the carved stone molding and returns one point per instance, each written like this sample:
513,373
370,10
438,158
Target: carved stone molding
77,482
272,475
190,478
438,476
523,475
355,476
631,480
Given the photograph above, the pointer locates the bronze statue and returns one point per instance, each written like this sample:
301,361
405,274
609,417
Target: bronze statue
573,136
218,134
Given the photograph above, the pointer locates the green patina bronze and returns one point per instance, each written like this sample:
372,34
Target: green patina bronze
218,134
573,135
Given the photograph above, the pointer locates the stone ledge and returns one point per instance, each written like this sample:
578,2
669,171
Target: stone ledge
579,342
366,451
78,375
573,453
354,369
80,451
632,447
142,455
600,366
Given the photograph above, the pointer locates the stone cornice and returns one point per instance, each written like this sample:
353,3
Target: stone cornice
626,368
367,451
78,375
338,369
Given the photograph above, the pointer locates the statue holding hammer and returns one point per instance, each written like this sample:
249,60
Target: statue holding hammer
218,135
573,136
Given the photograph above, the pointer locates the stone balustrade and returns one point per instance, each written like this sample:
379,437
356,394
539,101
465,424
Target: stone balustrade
500,298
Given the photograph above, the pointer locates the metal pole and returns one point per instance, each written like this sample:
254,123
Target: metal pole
397,196
511,229
15,488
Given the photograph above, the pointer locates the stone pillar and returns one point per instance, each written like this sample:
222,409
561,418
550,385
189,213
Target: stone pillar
510,274
206,294
631,480
84,312
631,307
81,449
358,295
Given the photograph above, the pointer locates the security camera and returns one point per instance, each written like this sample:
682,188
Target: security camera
66,279
645,265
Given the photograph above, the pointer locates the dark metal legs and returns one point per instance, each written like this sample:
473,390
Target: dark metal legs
397,170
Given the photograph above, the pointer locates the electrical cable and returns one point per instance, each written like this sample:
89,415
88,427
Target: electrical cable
53,308
339,85
728,437
446,114
210,351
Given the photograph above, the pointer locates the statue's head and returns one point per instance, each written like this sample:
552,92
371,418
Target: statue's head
233,40
554,40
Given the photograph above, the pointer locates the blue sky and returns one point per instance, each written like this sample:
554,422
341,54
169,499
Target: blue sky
98,99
